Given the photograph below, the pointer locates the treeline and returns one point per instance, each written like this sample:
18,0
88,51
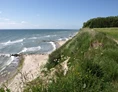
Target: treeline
102,22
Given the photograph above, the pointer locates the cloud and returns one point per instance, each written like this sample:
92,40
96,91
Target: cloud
23,22
0,12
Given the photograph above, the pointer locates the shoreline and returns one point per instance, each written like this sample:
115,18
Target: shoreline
9,70
32,66
31,69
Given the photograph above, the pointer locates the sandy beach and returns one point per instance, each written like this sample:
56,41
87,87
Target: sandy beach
61,43
31,69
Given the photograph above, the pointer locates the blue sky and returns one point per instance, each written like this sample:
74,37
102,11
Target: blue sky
53,14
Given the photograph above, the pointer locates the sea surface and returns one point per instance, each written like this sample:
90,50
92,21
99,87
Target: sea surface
27,41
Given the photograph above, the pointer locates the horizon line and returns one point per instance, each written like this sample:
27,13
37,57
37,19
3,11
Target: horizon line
35,28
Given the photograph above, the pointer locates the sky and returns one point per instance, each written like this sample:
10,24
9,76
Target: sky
53,14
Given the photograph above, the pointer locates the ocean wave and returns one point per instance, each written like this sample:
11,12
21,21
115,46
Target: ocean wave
12,58
12,42
47,36
50,35
6,55
2,69
60,39
33,38
42,36
31,49
10,61
54,45
66,39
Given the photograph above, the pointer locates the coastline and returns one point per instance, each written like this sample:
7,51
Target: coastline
31,69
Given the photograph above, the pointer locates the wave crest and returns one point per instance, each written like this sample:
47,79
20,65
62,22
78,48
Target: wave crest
54,45
33,38
31,49
12,42
8,62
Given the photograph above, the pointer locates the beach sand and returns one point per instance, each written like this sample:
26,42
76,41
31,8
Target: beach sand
31,69
61,43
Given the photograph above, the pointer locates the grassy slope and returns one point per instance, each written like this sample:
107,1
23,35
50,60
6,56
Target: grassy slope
93,65
113,32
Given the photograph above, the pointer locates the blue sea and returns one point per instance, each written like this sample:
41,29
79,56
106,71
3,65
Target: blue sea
27,41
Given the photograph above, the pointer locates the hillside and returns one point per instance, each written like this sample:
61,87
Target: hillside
86,63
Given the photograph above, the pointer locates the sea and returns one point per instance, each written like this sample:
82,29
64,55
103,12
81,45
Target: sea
27,41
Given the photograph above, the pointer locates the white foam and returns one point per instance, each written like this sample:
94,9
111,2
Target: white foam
12,42
60,39
42,36
66,39
31,49
49,35
6,55
33,38
2,70
54,46
10,61
12,58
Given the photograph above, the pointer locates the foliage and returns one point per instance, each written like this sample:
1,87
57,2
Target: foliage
3,90
102,22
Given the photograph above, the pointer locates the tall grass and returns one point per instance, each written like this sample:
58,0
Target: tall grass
93,65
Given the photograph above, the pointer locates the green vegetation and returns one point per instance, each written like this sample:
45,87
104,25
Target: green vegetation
3,90
20,65
92,67
112,32
102,22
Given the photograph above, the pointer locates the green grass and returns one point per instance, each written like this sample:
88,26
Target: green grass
2,90
20,65
93,64
113,32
